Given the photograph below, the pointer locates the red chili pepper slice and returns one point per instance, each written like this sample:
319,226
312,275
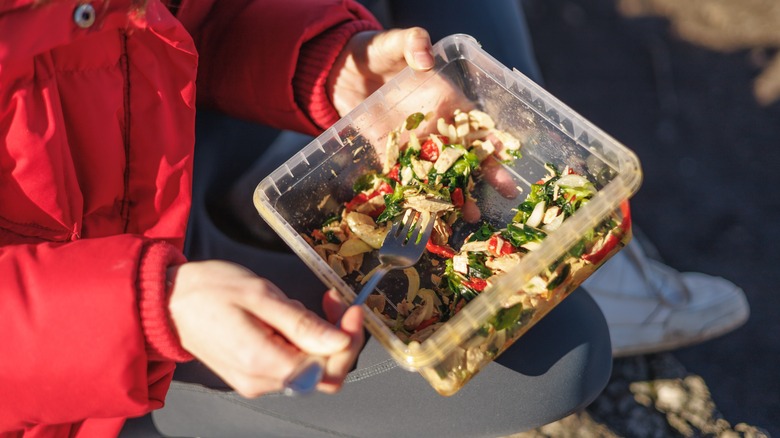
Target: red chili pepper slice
383,189
506,247
428,322
478,284
457,197
440,250
459,305
429,150
393,174
359,199
318,235
625,210
599,253
376,211
612,239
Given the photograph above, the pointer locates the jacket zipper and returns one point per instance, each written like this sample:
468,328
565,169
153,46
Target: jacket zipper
124,63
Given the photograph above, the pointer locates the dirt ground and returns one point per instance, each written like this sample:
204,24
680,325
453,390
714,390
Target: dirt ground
694,88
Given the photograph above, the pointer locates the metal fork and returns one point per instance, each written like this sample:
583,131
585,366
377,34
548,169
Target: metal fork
403,246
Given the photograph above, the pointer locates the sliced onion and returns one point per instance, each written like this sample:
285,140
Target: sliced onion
555,223
572,180
536,216
414,283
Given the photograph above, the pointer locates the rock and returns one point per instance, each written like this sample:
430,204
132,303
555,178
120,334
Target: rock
648,396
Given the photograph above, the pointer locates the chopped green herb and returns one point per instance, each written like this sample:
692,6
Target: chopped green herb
514,153
331,237
393,203
331,219
519,234
477,266
483,233
507,317
559,279
414,120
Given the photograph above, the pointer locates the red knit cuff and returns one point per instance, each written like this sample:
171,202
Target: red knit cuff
316,59
162,342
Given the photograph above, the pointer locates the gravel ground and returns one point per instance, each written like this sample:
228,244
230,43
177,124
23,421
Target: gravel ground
694,88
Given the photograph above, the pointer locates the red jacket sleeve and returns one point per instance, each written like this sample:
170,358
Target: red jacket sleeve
85,332
267,60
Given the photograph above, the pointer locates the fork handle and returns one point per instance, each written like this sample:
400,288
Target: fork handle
371,284
308,374
305,377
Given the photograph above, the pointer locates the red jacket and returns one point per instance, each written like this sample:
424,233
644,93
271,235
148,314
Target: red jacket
97,108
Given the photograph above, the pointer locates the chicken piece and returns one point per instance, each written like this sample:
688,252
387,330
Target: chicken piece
460,263
336,262
364,227
462,127
554,224
475,246
414,142
353,263
421,168
404,307
508,141
536,285
407,174
376,303
428,203
447,158
481,120
354,246
482,149
504,263
392,151
441,232
474,358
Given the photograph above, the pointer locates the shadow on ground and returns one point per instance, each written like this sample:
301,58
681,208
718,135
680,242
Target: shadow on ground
693,88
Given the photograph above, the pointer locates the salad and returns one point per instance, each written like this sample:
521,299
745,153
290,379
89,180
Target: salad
435,172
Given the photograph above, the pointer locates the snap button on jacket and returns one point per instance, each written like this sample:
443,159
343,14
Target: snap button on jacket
84,15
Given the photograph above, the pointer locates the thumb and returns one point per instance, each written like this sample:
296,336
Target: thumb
413,45
418,51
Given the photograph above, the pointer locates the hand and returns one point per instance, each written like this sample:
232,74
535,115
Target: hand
250,334
371,58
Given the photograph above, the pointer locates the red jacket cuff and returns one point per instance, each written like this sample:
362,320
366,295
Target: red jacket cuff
316,59
162,341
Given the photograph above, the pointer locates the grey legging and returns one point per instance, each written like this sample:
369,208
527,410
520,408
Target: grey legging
559,367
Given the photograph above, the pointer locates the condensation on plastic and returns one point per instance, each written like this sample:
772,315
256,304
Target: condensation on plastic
292,199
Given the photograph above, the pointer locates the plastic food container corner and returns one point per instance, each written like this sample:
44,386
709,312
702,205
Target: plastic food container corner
301,193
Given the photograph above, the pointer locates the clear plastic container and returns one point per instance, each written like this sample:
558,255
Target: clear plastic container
309,187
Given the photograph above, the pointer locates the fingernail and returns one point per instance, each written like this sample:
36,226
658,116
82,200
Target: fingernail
423,59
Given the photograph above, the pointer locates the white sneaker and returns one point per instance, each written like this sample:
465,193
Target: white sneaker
650,307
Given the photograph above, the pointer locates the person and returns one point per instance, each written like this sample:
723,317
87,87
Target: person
649,306
98,179
226,225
